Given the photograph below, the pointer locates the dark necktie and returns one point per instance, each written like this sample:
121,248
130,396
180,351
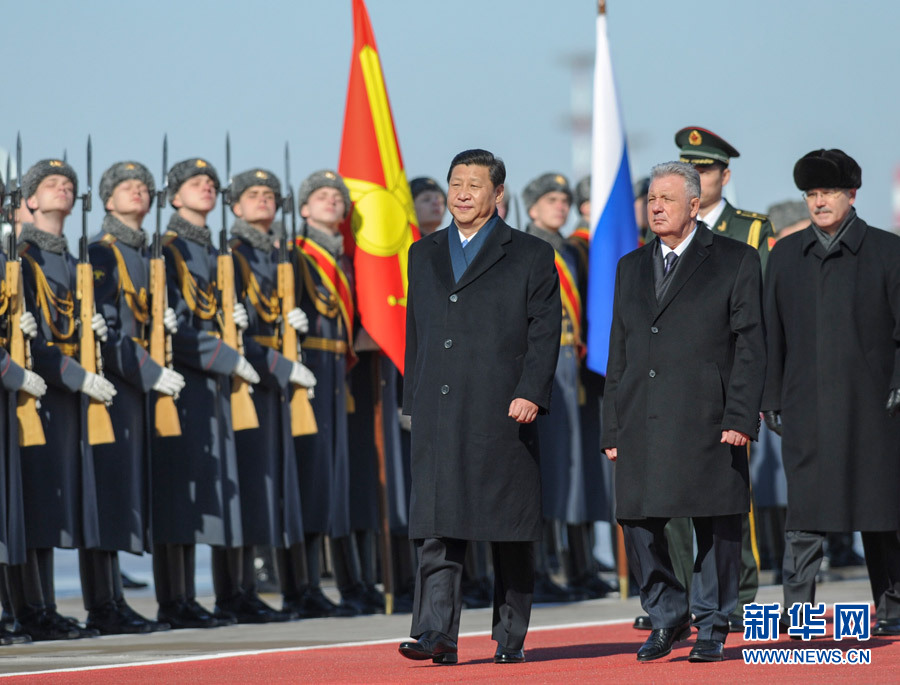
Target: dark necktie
669,262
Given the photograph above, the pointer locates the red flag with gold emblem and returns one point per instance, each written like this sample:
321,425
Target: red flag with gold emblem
383,219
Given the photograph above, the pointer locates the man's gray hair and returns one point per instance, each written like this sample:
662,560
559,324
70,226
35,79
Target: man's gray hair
686,171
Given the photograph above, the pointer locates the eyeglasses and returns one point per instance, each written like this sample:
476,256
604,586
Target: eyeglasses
825,193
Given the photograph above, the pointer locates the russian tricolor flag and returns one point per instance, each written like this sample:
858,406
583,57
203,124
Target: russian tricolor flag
613,226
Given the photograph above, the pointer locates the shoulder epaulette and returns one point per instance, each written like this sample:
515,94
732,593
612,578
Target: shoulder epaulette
751,215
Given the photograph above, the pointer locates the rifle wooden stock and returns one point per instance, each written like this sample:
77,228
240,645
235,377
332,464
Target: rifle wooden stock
31,430
303,420
167,422
243,411
100,428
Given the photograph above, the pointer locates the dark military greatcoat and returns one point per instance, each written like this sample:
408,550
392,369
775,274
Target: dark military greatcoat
122,469
12,514
472,347
196,498
58,477
324,456
833,326
270,489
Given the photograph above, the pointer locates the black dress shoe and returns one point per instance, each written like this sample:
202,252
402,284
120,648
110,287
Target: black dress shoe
317,605
660,642
355,603
130,583
643,623
246,609
707,650
887,626
83,631
154,626
592,585
110,620
433,645
548,592
12,633
504,655
735,623
42,625
181,615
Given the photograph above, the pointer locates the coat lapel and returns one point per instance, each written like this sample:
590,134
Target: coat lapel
440,258
647,278
695,254
490,253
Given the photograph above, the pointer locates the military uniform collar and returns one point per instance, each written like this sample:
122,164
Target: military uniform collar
125,234
43,240
714,214
555,239
185,229
255,238
332,242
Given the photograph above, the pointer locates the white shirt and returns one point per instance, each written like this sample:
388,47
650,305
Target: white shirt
713,216
682,246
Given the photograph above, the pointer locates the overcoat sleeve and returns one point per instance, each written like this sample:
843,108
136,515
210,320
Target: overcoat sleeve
12,376
409,360
892,270
615,366
544,309
745,383
775,343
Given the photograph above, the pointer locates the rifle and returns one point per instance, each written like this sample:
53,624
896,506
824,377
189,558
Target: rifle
31,431
243,411
167,423
303,420
100,429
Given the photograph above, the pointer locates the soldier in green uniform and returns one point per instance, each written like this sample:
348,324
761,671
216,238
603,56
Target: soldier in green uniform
710,154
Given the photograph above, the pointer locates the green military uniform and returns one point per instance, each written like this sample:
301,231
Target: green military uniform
700,147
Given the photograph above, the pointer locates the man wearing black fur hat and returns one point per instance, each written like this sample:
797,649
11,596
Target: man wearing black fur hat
120,262
196,496
833,383
60,505
267,465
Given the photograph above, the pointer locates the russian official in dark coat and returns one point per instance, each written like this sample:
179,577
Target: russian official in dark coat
684,380
833,321
483,332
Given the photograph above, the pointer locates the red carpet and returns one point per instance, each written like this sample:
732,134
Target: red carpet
577,654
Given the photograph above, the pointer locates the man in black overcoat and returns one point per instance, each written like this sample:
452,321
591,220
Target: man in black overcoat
833,322
482,337
683,386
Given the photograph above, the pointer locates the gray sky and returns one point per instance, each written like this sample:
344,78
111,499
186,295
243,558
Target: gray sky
776,78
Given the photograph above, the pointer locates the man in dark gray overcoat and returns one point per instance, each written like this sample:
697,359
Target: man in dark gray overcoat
833,324
683,386
482,338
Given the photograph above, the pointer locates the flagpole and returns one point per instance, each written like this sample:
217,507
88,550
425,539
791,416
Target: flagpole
387,570
621,558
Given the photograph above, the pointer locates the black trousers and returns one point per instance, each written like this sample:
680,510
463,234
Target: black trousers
438,600
803,557
101,578
714,585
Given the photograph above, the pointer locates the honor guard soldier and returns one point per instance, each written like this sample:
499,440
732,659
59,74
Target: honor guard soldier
325,293
14,380
121,268
196,498
58,487
267,466
430,202
548,199
710,154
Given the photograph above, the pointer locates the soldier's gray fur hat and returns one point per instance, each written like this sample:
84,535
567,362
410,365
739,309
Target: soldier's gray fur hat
255,177
323,179
47,167
423,184
787,213
582,192
125,171
543,184
181,172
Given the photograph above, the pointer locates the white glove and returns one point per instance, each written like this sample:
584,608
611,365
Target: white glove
245,370
169,382
170,321
98,388
28,325
33,384
298,320
99,325
300,375
241,320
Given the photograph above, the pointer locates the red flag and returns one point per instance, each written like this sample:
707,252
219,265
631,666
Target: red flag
384,218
